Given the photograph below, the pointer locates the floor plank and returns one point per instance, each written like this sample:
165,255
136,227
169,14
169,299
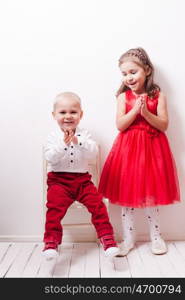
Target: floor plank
21,260
107,266
3,249
136,263
87,260
180,246
63,263
91,260
164,264
46,269
176,260
148,260
121,266
33,265
78,260
9,258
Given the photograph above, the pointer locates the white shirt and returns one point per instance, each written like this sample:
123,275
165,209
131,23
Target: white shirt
71,158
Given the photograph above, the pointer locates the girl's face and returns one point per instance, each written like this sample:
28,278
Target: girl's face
134,76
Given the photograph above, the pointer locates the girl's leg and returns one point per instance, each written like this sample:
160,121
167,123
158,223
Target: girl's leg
128,230
158,244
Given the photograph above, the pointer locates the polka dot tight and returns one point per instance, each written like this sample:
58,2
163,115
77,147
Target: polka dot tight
152,214
128,224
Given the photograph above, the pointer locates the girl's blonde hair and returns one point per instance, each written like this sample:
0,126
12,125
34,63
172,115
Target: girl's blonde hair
140,57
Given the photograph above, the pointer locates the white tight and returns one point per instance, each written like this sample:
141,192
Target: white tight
152,214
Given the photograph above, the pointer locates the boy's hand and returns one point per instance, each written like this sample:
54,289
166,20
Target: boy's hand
68,135
74,139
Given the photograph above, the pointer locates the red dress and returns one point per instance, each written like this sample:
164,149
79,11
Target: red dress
140,170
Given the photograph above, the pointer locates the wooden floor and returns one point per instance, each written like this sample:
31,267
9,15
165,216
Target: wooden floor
87,260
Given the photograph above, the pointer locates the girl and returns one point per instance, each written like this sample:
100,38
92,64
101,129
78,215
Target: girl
140,171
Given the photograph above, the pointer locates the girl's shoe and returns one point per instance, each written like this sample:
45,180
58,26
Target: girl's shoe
159,246
50,250
125,248
109,245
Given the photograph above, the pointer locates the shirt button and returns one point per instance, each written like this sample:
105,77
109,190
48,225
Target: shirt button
71,153
71,161
80,144
65,148
71,146
78,135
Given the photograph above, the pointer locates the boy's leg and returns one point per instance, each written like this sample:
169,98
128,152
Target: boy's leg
90,197
58,202
158,244
128,230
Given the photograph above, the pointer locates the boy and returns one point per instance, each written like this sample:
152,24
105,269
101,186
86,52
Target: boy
68,151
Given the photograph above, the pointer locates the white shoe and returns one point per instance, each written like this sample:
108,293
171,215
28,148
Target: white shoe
109,245
159,246
50,254
111,252
125,248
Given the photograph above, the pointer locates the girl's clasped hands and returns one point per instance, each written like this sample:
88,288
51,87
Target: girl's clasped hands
140,105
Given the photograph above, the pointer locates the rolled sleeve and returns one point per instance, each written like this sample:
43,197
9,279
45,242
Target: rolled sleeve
87,144
55,149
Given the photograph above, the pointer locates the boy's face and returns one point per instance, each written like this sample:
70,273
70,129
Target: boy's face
67,113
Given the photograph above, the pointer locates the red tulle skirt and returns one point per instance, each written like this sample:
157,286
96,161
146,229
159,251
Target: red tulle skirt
140,170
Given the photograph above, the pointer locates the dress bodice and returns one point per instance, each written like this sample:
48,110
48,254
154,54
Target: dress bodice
140,122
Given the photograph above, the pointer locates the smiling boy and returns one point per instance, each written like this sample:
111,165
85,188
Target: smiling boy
68,151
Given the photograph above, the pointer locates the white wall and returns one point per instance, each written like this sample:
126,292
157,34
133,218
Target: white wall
49,46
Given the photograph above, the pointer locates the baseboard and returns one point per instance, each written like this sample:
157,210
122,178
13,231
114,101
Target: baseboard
145,237
20,238
71,233
80,233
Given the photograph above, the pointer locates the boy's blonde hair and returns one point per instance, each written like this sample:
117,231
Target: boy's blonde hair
68,95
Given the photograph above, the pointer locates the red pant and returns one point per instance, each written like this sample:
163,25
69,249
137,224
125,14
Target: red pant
63,189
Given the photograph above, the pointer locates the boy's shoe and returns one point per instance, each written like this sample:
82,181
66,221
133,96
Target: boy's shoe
125,248
159,246
50,250
109,245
